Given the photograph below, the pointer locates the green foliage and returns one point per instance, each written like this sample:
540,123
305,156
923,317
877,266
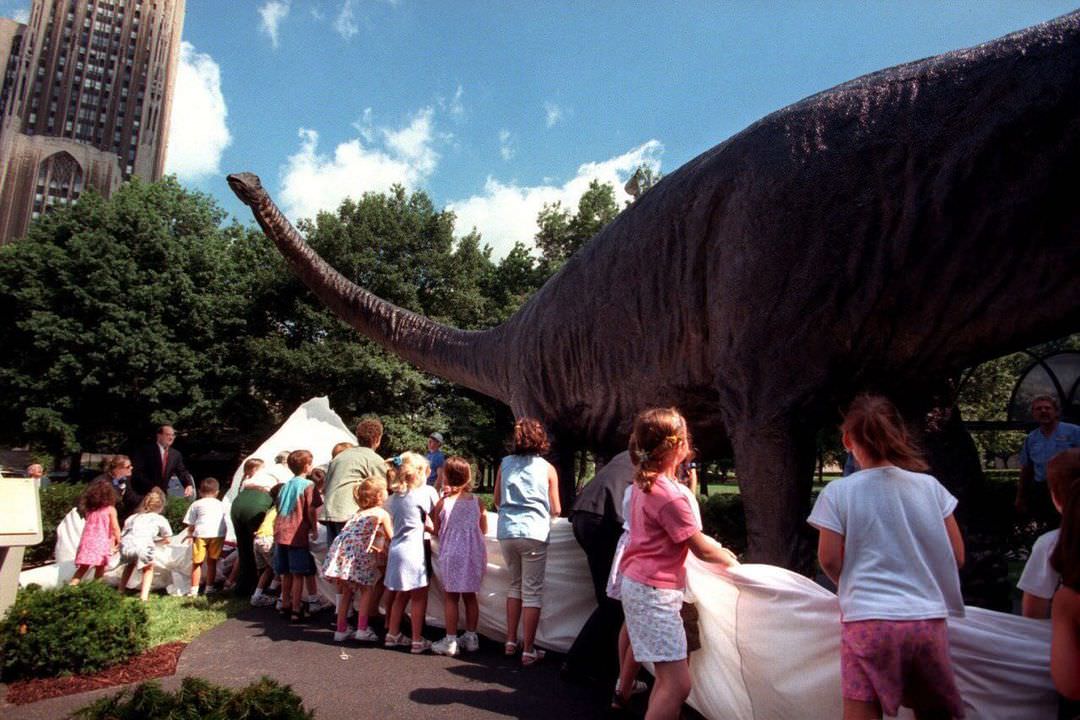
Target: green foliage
125,313
82,629
722,518
562,233
265,699
175,509
57,500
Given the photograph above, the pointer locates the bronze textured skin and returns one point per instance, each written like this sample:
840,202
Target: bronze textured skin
878,235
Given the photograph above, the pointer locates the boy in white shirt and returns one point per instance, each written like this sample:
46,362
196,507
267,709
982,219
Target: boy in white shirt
206,530
1040,581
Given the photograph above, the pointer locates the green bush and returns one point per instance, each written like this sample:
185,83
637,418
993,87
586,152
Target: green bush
197,698
56,502
175,509
81,629
723,518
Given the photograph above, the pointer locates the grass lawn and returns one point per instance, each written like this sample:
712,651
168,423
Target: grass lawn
182,619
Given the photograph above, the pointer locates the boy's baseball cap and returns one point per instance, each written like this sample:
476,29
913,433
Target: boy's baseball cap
437,437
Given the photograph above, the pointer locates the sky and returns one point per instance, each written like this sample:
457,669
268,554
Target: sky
495,108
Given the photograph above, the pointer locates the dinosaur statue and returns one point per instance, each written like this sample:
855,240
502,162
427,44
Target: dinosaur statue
879,235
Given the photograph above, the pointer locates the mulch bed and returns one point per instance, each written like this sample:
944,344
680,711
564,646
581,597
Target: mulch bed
154,663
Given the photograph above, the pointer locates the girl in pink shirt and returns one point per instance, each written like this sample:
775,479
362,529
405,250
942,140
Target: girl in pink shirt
662,530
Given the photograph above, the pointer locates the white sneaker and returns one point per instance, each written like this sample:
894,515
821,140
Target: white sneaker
318,604
366,635
470,642
447,646
262,601
278,605
193,592
341,636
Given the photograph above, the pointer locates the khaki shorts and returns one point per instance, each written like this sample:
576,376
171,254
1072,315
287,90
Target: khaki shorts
526,560
264,552
203,548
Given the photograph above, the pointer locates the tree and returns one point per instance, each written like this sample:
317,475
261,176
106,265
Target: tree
561,233
122,313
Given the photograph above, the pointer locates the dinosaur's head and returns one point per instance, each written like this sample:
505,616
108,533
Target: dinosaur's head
247,187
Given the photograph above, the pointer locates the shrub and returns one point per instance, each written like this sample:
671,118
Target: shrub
197,698
83,629
56,502
175,509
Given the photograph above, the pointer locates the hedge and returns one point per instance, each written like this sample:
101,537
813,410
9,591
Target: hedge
265,699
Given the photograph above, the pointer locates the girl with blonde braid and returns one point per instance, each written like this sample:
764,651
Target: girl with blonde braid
663,528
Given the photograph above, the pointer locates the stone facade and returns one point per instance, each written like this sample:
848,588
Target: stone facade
85,101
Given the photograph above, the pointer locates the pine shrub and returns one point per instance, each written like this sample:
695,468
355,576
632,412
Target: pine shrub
265,699
79,629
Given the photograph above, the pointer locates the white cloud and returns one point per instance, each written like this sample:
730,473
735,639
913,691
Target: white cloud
506,144
21,15
553,114
271,14
506,212
345,22
313,181
365,125
317,14
457,108
198,133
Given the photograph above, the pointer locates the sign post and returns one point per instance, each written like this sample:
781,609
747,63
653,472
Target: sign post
20,525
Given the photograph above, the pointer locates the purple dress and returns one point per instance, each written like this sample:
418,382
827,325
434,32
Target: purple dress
462,552
96,543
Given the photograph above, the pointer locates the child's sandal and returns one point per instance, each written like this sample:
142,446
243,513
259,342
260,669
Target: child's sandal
531,657
510,649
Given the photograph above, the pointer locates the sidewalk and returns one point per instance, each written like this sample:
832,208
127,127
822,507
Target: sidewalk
360,682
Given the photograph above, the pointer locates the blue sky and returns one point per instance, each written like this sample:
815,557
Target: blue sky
494,107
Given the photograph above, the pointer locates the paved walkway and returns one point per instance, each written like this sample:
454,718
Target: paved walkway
358,682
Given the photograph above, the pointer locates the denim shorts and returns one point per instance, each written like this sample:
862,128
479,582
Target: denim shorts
293,561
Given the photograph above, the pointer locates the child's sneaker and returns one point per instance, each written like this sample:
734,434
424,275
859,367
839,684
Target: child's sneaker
470,642
399,640
342,635
278,605
317,603
419,647
447,646
366,635
261,600
193,592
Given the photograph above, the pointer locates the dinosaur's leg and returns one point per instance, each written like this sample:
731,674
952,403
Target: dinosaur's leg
564,453
774,466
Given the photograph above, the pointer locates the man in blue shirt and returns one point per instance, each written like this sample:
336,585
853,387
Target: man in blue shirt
1044,442
435,456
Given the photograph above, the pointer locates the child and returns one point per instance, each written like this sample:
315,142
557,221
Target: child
294,528
263,546
1065,560
101,533
460,523
353,558
315,602
1039,581
889,540
406,573
662,529
205,519
144,529
255,477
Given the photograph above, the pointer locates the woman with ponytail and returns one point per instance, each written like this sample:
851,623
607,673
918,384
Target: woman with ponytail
663,528
889,540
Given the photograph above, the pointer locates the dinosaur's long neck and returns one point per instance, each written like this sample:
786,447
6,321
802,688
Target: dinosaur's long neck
464,357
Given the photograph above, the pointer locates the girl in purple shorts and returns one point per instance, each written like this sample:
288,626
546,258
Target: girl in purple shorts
889,540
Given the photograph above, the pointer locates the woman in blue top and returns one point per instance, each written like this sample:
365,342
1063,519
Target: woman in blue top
527,498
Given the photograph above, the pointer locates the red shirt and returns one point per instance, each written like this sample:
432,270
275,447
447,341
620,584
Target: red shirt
661,522
293,529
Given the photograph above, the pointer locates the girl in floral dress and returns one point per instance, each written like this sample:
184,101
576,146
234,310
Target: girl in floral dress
354,559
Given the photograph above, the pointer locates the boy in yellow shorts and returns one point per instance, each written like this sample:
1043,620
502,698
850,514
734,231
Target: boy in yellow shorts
206,530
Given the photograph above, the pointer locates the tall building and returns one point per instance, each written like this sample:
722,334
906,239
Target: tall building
85,101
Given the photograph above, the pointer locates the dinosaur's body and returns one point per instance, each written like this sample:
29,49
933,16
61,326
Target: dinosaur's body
881,234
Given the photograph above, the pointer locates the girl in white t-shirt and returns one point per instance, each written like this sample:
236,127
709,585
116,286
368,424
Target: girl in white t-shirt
891,544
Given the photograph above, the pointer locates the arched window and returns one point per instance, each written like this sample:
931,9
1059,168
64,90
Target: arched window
59,182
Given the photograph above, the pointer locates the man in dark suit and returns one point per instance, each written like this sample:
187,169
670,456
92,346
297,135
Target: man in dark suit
155,463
